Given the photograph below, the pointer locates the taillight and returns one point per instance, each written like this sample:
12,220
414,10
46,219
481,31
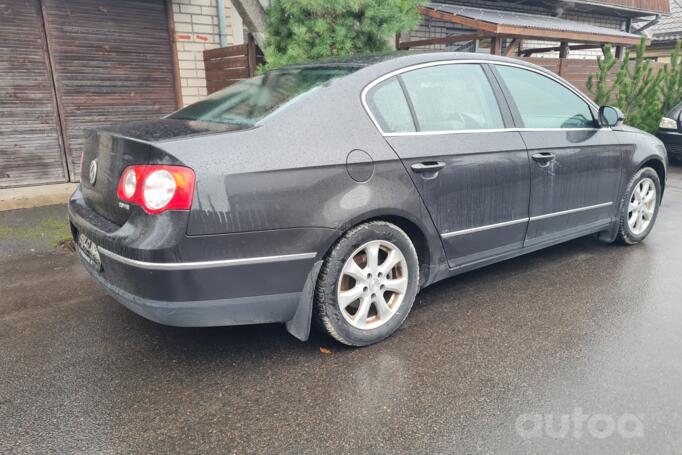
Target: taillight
157,188
129,181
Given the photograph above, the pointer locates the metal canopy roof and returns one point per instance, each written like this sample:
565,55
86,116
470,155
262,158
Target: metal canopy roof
670,28
523,25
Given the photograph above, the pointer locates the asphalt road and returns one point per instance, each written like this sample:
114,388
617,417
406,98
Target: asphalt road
574,349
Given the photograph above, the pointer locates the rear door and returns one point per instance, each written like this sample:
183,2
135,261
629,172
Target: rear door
575,164
446,122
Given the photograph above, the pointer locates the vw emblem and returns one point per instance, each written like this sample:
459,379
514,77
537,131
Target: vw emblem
93,172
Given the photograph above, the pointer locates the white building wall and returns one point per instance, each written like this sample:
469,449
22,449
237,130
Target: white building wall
196,29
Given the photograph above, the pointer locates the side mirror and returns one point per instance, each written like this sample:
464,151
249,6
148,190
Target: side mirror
610,116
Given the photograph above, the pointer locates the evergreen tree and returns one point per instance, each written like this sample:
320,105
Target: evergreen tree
602,91
639,90
671,91
300,30
643,95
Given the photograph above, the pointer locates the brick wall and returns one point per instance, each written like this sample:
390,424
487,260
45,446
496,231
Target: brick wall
196,29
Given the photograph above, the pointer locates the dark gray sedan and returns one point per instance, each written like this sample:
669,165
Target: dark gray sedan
670,133
333,192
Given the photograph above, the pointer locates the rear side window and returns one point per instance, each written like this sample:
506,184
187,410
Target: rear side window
452,97
543,102
389,106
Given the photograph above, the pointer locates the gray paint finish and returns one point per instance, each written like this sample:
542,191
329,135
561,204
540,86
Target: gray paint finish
290,185
485,181
586,172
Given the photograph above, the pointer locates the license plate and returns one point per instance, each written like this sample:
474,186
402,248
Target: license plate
89,251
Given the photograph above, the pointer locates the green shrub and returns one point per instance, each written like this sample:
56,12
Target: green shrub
300,30
672,85
643,95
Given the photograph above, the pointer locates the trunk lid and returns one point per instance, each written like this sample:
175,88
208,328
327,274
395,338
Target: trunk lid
112,149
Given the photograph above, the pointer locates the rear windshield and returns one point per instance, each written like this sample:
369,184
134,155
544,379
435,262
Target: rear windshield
250,100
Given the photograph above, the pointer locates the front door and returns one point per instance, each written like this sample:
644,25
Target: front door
446,124
575,164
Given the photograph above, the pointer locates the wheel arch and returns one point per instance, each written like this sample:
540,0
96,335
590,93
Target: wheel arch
418,238
425,238
657,165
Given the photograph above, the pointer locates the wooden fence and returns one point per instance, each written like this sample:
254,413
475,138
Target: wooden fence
576,71
227,65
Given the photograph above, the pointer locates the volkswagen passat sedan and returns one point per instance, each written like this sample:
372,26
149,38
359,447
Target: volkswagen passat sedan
334,192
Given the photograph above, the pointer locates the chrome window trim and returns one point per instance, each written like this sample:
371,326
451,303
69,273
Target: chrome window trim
447,235
491,130
205,264
380,79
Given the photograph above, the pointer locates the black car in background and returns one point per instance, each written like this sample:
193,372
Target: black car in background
333,192
670,132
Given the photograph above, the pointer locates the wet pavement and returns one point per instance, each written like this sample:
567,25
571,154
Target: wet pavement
574,349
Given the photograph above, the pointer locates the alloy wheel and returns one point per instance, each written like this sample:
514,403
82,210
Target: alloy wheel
642,206
372,285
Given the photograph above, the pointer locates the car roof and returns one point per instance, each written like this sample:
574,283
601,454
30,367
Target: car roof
374,64
402,58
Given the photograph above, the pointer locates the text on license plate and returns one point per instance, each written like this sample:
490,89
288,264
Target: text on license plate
89,249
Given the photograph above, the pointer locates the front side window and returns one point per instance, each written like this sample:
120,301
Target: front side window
452,97
250,100
543,102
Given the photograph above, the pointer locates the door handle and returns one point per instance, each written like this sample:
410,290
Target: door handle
543,157
428,166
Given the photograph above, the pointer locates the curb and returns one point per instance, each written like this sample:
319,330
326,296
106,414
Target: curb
35,196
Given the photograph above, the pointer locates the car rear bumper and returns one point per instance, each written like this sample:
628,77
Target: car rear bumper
153,293
279,307
210,286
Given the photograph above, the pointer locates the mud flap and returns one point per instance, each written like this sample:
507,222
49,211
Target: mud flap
609,235
299,325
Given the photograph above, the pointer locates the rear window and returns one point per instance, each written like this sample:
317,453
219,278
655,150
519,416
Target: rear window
250,100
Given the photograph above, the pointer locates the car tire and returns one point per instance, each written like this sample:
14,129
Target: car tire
385,292
634,206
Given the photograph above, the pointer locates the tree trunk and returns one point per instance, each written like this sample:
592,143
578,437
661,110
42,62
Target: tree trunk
254,18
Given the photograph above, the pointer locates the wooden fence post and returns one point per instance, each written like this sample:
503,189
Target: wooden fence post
564,50
496,45
226,65
251,54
